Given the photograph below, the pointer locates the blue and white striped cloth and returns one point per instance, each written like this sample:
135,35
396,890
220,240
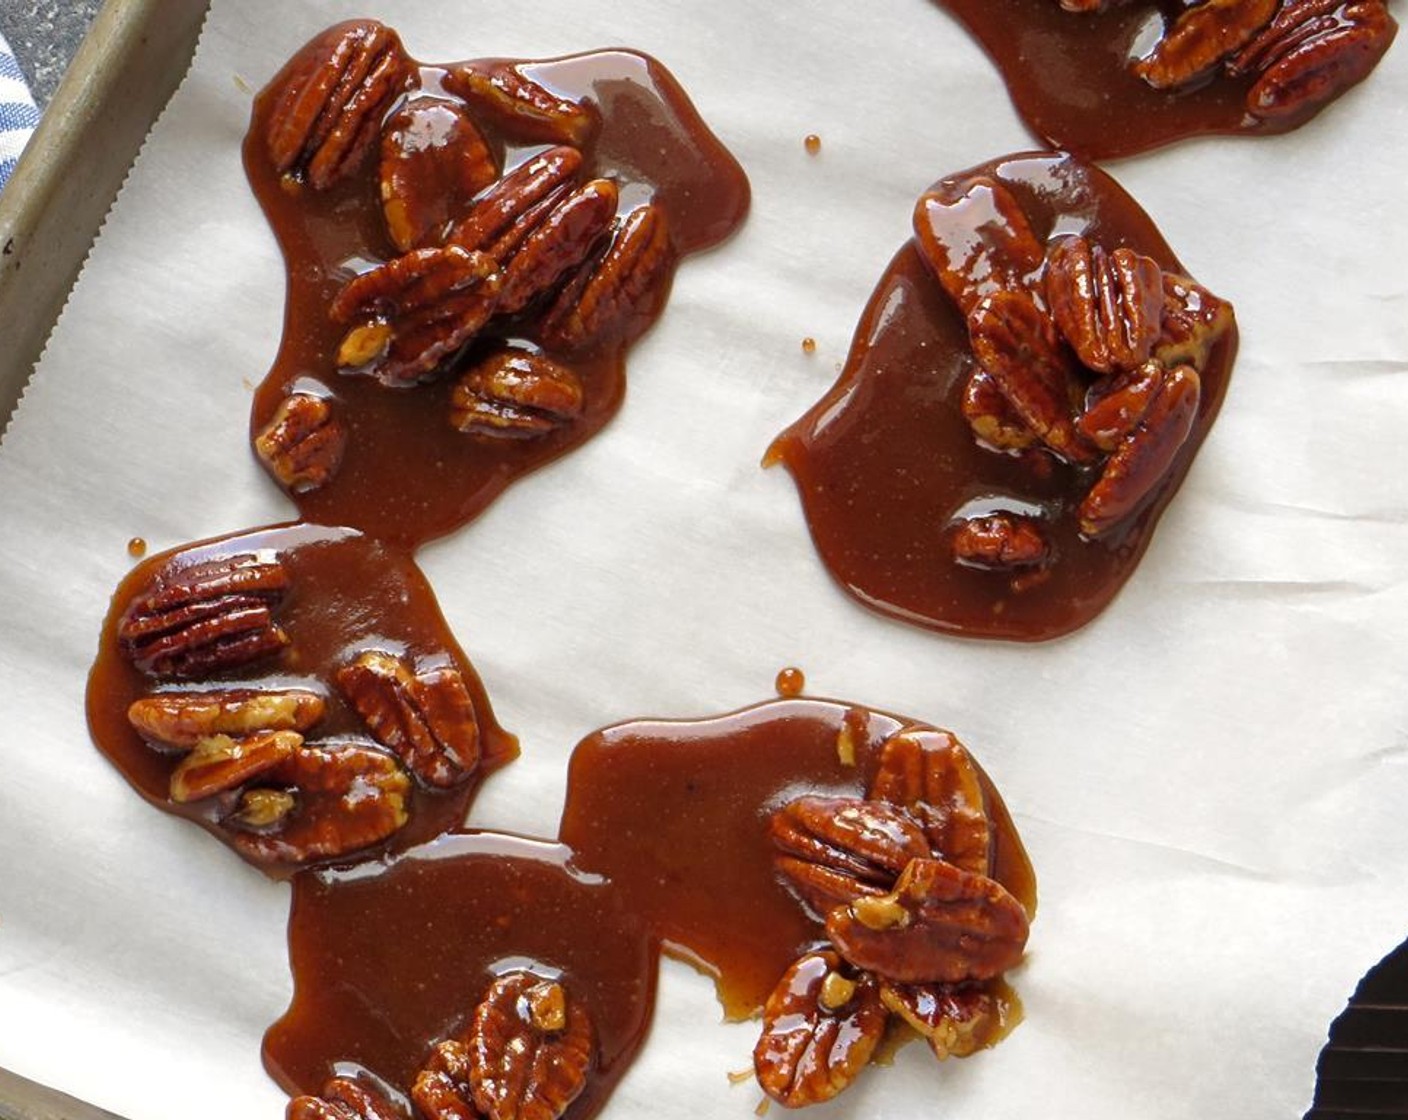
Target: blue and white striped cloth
18,116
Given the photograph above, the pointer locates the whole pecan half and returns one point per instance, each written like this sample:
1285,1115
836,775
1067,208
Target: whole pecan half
939,925
1115,407
433,162
955,1019
1194,321
526,109
1312,52
615,298
531,1046
835,849
329,112
821,1024
338,798
502,215
343,1099
219,763
426,717
1142,459
182,719
1201,37
414,313
931,775
197,620
303,442
1108,305
991,415
516,393
976,240
1000,542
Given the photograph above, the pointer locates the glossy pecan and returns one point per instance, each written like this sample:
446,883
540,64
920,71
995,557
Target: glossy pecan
343,1099
956,1020
931,775
994,421
939,925
531,1046
516,393
1143,458
1000,542
615,298
1015,342
526,109
1200,38
1312,52
834,849
1194,322
182,719
218,763
1108,305
503,215
328,114
303,442
426,717
197,620
821,1025
976,240
433,162
338,798
414,313
1115,407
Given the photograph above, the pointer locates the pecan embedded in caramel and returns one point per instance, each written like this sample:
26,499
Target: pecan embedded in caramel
182,719
516,393
303,442
955,1020
931,775
526,109
1115,408
991,415
343,1099
1108,305
1201,37
1000,542
1194,321
224,762
503,214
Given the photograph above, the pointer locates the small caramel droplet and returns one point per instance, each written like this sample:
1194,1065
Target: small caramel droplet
812,143
790,682
136,547
808,345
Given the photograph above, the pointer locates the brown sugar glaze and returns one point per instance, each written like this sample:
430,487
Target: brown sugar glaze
407,475
349,593
662,848
1068,76
885,461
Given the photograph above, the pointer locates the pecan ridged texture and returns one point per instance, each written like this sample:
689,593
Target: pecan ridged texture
343,1099
832,850
956,1020
516,393
328,114
426,717
1001,542
990,414
204,618
821,1025
412,314
526,109
1200,38
1194,321
182,719
303,442
1108,305
220,763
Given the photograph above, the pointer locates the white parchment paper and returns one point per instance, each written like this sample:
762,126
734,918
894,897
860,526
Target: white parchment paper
1210,778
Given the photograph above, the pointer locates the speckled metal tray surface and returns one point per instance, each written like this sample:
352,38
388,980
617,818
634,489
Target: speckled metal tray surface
54,205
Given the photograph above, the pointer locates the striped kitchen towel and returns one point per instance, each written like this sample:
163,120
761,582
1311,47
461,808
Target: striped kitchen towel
18,116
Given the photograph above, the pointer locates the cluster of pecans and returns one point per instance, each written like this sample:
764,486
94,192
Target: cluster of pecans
537,261
525,1055
1299,54
282,797
1088,354
917,927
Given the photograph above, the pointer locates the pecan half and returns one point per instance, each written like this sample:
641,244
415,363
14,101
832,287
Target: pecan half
1000,542
1201,37
1141,461
303,442
835,849
183,719
615,299
343,1099
525,108
821,1024
1312,52
1114,408
516,393
976,240
956,1020
565,237
931,775
415,312
1108,305
426,717
991,415
504,213
198,620
441,1089
939,925
344,798
530,1047
1194,322
329,111
223,762
1016,343
433,162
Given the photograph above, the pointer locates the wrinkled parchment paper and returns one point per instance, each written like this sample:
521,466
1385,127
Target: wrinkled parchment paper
1211,778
